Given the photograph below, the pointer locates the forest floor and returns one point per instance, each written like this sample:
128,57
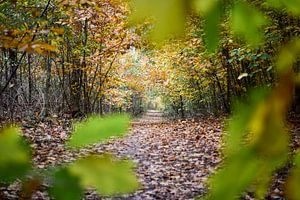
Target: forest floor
173,158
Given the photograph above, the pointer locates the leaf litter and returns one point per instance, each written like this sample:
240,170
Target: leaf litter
173,159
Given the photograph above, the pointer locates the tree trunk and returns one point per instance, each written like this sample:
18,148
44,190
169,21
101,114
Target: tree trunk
46,108
29,79
181,107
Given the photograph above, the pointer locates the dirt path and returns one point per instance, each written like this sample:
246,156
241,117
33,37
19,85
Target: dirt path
174,159
152,116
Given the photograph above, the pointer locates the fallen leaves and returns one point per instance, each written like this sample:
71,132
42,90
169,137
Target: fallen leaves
174,158
172,163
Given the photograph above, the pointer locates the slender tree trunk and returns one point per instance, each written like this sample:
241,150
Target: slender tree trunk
87,106
29,79
228,78
13,81
101,105
181,107
75,89
222,93
46,109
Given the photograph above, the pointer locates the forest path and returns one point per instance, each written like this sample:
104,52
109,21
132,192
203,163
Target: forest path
174,158
151,116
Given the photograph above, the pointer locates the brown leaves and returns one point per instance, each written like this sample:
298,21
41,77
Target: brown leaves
171,163
174,159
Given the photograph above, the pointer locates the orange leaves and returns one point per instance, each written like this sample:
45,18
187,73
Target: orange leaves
43,48
24,40
30,47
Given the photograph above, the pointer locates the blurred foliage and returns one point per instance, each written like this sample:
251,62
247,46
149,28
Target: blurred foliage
105,173
108,175
243,36
293,183
14,155
66,186
98,129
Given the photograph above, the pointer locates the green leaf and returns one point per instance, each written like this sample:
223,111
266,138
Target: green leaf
232,180
96,129
105,173
14,155
66,186
293,184
238,124
212,27
256,145
246,21
288,55
297,159
169,17
292,6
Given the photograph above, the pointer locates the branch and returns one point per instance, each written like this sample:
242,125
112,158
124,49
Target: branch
108,70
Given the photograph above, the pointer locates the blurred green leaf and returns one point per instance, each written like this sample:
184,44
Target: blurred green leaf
293,185
212,27
96,129
105,173
238,124
169,17
211,12
293,182
297,159
256,145
234,178
14,155
288,55
246,21
292,6
66,186
204,6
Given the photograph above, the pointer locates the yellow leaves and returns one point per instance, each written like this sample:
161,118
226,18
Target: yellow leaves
25,45
58,31
38,47
26,40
